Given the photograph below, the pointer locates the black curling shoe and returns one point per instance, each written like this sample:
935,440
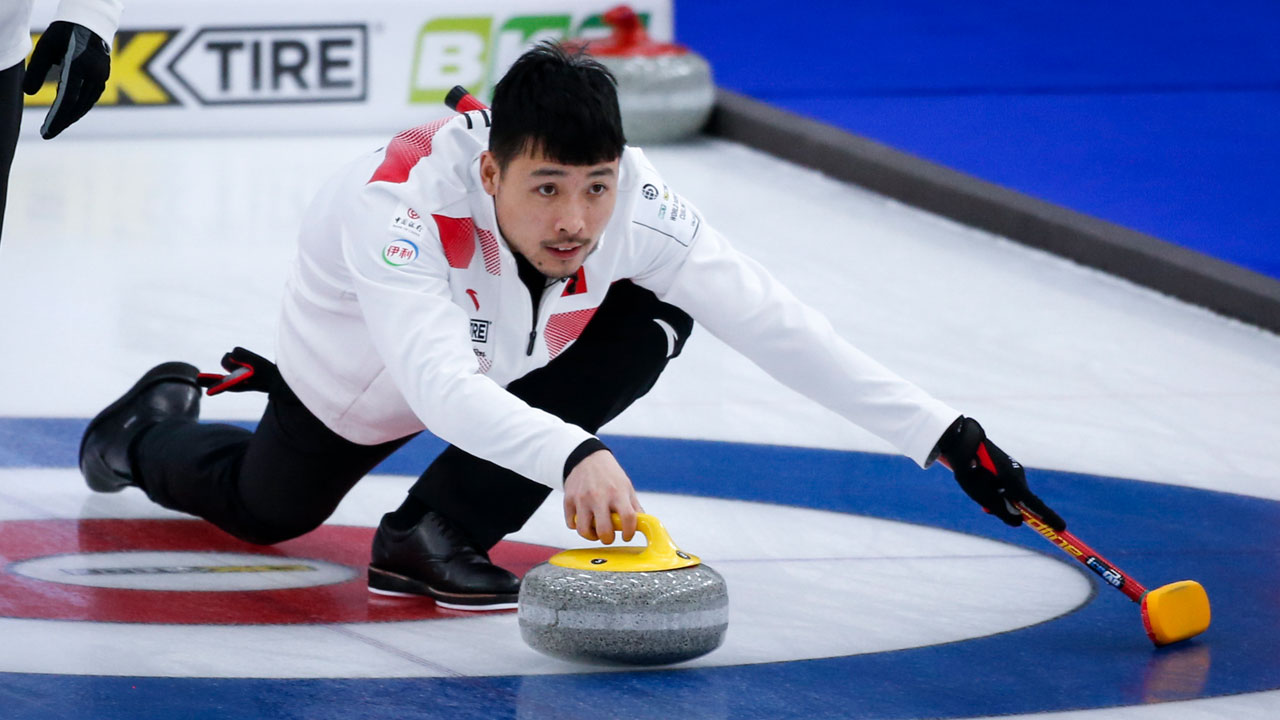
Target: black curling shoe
435,559
165,391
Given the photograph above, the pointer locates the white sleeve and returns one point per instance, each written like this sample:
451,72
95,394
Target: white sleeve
100,16
738,301
423,339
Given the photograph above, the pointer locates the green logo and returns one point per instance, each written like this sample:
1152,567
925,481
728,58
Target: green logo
475,51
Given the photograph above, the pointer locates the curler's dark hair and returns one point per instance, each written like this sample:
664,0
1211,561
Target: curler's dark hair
558,102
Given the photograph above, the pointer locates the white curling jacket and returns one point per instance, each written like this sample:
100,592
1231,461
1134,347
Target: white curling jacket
100,16
404,309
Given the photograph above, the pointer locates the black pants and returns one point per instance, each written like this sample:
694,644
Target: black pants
288,476
10,122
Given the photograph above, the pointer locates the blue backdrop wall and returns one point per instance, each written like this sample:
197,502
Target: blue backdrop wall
1161,116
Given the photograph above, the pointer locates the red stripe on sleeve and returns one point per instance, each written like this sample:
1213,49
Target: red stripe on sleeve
405,150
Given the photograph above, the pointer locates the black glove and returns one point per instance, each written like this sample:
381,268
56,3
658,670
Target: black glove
993,479
246,372
86,62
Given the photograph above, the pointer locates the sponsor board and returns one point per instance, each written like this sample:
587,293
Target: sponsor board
245,66
281,64
474,51
234,66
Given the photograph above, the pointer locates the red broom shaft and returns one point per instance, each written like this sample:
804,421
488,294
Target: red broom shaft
1087,556
1074,547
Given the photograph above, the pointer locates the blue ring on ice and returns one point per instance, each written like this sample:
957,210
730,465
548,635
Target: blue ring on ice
1095,657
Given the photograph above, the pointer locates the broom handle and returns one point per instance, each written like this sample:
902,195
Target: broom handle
1089,557
1073,546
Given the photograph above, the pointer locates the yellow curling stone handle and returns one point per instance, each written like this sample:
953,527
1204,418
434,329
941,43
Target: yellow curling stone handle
659,554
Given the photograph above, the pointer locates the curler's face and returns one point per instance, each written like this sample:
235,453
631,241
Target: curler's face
551,213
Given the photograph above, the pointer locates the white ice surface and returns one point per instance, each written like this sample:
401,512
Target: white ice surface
119,254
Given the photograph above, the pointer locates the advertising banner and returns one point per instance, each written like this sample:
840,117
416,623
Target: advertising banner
256,67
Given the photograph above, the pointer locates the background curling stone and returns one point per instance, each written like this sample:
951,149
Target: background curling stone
665,90
650,605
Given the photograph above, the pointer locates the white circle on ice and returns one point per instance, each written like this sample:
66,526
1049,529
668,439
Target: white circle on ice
803,584
183,571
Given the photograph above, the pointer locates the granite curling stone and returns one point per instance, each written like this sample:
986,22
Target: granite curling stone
665,90
654,605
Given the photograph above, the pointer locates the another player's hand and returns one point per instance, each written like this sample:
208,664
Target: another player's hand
989,476
85,60
246,372
596,488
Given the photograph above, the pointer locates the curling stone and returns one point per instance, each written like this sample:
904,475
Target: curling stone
665,91
651,605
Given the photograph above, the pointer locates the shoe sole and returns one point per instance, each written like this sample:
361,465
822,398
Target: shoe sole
382,582
94,469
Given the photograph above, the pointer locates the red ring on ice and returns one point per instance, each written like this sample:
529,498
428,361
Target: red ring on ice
345,602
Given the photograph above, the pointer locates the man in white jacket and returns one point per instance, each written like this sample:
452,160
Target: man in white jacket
509,280
78,42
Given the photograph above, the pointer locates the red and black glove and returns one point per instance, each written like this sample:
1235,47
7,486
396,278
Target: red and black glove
246,372
84,62
993,479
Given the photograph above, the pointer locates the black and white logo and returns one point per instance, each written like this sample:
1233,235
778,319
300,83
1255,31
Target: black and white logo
650,192
407,221
283,64
480,331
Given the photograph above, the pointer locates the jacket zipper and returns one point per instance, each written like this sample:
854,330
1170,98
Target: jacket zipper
536,301
537,304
